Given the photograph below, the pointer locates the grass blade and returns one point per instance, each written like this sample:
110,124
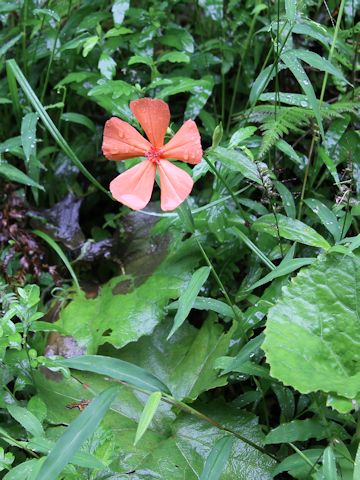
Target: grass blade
76,434
13,67
187,299
147,415
117,369
61,254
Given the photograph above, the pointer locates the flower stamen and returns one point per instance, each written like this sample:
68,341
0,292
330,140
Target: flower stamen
154,155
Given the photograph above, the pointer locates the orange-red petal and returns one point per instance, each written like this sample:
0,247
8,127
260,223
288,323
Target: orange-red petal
185,144
134,187
121,141
175,185
154,117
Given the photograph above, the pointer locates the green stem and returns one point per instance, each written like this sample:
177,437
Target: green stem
332,49
237,78
220,285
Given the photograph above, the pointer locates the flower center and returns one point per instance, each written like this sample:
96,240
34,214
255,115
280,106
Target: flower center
154,155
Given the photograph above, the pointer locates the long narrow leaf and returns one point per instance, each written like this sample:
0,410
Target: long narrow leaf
76,434
147,415
187,299
216,461
61,254
49,124
117,369
293,64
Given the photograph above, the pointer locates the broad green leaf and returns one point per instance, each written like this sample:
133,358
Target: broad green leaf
119,9
28,140
329,163
284,268
46,11
79,119
240,135
107,66
289,151
171,447
287,199
76,434
147,415
89,45
326,216
297,466
178,37
321,63
262,80
216,461
174,57
187,299
117,369
190,357
303,430
182,84
291,61
129,306
296,99
22,471
290,229
312,332
16,175
237,161
234,364
135,59
26,419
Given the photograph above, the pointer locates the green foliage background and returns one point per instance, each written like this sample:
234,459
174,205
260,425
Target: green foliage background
218,341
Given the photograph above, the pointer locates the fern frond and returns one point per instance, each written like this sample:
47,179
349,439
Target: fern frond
290,119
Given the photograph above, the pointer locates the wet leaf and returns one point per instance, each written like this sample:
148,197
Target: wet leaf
312,333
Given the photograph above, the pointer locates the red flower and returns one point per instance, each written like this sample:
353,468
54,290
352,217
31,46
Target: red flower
122,141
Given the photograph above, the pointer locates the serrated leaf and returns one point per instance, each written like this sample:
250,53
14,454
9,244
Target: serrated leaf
237,161
217,459
312,333
76,434
147,415
290,229
187,299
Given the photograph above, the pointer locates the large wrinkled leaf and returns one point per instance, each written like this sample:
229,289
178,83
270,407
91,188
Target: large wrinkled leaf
171,448
129,306
312,334
190,356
